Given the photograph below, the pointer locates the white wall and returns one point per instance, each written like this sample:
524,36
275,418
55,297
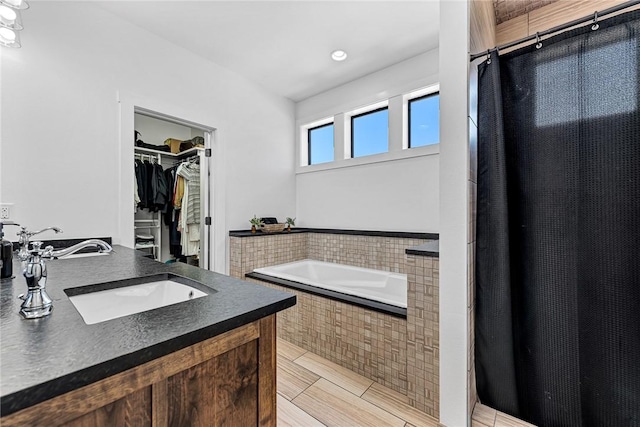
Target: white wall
393,194
62,97
454,212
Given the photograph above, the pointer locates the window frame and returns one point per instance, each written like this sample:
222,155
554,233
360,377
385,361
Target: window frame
355,116
409,102
309,142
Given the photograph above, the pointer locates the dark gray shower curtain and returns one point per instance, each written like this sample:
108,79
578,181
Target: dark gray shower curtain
558,229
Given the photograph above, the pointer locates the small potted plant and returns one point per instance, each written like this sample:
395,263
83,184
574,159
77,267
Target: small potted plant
255,223
290,223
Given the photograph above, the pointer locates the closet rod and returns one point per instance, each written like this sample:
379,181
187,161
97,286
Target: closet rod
560,28
151,157
189,159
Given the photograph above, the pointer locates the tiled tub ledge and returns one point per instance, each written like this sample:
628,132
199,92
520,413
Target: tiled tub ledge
426,249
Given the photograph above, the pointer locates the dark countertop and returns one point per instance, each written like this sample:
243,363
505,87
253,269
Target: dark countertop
426,249
47,357
248,233
376,233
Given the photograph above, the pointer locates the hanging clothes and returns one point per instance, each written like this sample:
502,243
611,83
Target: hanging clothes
170,177
175,237
191,173
148,182
141,183
160,188
178,192
189,223
151,189
171,215
136,191
136,196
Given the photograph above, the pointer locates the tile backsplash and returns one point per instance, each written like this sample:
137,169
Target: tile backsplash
379,253
249,253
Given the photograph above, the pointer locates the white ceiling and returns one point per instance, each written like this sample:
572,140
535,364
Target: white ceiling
285,46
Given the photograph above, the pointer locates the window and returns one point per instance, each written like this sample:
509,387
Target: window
424,120
374,132
370,133
320,144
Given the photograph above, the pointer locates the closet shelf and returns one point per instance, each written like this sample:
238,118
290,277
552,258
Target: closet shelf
144,246
186,153
144,227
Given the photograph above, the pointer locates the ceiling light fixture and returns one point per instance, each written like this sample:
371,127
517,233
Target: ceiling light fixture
11,22
9,38
10,18
16,4
338,55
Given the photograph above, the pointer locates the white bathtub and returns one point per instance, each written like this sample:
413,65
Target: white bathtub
381,286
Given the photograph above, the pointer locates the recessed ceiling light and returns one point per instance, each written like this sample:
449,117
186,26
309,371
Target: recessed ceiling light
338,55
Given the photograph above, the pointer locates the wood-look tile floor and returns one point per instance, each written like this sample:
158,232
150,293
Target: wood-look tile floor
313,391
483,416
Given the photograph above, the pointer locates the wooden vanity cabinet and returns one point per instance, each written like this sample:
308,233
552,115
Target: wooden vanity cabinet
227,380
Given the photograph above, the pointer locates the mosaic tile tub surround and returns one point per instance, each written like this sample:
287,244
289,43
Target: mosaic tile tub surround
249,253
402,354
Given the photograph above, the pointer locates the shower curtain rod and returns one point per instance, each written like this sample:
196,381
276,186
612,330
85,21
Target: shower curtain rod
559,28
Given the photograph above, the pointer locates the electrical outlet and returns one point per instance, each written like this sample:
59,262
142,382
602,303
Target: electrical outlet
5,212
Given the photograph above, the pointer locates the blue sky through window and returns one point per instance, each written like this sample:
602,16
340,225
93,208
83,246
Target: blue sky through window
424,128
370,133
321,144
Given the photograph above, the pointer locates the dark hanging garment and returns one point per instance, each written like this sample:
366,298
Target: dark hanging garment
160,188
141,181
557,332
149,186
175,236
171,215
170,176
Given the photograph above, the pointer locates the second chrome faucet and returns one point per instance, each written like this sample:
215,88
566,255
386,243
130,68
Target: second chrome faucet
24,237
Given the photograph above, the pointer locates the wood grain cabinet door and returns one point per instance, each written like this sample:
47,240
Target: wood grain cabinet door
222,391
228,380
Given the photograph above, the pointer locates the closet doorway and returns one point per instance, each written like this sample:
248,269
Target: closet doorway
172,188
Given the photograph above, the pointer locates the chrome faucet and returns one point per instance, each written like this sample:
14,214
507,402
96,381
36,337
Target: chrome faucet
37,302
100,244
23,240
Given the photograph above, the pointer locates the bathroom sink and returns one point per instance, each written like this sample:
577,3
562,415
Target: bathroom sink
106,301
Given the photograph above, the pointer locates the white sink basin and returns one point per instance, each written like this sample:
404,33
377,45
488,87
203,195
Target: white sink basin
155,292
